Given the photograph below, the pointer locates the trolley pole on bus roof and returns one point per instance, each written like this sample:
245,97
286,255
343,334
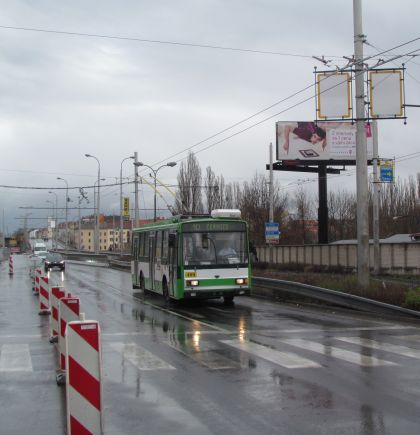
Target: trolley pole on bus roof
361,153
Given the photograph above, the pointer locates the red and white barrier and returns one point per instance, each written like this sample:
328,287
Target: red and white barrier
84,376
56,294
38,273
68,311
44,295
11,265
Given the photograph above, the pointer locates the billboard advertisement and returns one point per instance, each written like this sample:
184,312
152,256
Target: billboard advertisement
305,140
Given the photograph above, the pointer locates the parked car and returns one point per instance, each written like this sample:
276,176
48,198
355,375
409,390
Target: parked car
54,260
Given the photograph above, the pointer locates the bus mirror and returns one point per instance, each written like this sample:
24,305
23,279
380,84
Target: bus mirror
172,239
204,241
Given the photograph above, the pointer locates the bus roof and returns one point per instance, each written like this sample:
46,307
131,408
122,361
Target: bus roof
179,220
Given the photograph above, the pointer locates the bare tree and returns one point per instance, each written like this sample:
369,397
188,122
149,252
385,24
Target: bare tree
188,195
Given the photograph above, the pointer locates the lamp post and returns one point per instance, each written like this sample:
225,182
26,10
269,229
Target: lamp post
98,202
155,171
121,205
52,212
67,199
56,218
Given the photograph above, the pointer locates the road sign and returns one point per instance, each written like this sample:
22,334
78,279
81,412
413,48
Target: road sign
126,207
387,171
272,233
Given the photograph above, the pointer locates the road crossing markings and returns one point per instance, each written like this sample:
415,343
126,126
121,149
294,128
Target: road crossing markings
408,337
335,352
374,344
15,358
286,359
205,355
140,357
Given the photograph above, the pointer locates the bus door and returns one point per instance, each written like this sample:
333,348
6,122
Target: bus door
152,260
172,262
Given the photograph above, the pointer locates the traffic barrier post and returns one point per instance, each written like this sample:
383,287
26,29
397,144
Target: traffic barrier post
11,265
38,273
57,293
44,295
84,378
68,311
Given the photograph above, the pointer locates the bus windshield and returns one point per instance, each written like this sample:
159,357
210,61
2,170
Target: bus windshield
215,248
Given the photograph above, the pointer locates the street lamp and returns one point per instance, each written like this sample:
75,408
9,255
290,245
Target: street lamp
52,212
155,171
67,199
97,211
121,206
56,218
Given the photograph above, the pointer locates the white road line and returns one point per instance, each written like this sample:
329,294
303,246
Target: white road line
286,359
205,355
374,344
332,328
335,352
15,358
140,357
408,337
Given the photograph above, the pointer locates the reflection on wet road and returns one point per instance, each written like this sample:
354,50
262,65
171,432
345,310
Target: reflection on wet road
255,367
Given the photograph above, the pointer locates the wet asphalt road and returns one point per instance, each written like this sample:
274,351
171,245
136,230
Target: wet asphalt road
253,368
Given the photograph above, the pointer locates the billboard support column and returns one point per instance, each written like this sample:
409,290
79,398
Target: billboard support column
361,153
376,248
323,205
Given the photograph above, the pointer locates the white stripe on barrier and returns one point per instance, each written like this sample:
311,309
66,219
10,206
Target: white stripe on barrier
65,315
86,414
82,353
84,376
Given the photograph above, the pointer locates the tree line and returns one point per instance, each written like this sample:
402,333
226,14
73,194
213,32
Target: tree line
199,193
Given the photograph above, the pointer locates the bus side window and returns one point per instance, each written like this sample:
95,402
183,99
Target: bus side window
158,249
165,247
141,245
146,245
135,246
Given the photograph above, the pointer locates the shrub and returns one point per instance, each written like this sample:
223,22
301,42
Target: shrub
412,298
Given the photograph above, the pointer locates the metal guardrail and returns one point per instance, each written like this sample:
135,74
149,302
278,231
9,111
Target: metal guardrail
329,296
277,287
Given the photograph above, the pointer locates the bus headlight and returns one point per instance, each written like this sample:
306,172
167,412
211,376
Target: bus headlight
192,282
241,281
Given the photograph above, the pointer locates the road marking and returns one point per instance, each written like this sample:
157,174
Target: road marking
286,359
374,344
204,354
335,352
409,337
15,358
332,328
140,357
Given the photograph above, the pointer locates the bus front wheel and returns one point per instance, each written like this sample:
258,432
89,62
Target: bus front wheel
228,300
165,292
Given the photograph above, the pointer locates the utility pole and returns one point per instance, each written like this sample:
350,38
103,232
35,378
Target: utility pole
136,190
376,187
271,199
361,153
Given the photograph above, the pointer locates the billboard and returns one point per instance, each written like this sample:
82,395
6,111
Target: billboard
333,95
305,140
386,94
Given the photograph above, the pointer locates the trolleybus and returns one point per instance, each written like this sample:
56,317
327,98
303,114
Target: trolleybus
193,257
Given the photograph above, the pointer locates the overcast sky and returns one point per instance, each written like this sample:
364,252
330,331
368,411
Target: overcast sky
64,95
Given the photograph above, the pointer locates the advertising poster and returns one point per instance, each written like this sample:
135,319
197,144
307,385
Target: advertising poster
305,140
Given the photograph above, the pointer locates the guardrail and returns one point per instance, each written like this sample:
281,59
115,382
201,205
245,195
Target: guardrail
278,288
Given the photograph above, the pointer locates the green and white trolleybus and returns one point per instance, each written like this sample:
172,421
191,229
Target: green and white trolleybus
193,257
